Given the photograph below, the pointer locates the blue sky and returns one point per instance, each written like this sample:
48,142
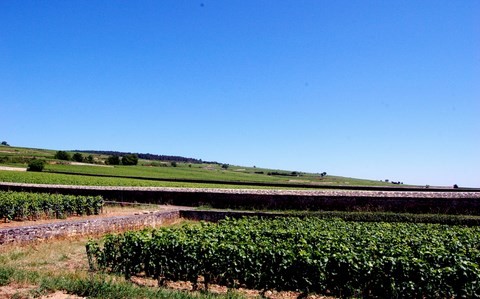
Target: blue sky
369,89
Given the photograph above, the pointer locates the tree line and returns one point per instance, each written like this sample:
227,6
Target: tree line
147,156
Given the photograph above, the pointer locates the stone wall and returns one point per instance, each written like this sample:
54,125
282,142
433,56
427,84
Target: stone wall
94,226
436,202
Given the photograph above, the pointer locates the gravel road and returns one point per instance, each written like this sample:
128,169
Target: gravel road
12,168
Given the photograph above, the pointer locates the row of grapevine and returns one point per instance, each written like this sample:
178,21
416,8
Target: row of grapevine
450,219
334,257
29,177
24,205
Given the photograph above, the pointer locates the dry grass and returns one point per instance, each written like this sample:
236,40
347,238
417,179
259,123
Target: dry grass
52,257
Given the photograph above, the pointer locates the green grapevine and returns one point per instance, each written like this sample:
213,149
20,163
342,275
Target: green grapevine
333,257
32,206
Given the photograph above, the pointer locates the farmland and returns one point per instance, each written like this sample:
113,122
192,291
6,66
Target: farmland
332,257
154,173
318,242
33,206
69,179
41,269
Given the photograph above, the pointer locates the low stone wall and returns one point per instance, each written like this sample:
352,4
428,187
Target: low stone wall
431,202
86,227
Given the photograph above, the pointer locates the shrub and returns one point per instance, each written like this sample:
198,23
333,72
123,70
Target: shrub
90,159
77,157
36,165
225,166
173,163
62,155
130,159
113,160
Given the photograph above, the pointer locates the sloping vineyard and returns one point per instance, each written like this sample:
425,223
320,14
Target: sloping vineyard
333,257
32,206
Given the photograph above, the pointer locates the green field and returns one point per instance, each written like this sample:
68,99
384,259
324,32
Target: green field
155,172
66,179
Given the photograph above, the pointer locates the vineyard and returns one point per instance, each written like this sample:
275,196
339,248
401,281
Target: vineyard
156,173
81,180
392,242
32,206
333,257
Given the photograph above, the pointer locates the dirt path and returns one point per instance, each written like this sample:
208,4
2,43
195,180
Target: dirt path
12,168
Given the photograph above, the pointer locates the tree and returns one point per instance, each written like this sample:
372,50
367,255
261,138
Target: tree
113,160
5,143
62,155
77,157
36,165
90,159
225,166
173,163
130,159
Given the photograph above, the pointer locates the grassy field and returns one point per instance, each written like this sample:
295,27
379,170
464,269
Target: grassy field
154,170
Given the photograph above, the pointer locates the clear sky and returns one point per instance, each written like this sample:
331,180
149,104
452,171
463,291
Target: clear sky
369,89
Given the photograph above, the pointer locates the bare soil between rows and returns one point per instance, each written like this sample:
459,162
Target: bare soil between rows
28,291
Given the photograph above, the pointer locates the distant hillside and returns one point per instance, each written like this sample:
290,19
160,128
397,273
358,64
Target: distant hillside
145,156
191,171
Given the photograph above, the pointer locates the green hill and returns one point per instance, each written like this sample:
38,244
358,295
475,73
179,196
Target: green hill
155,172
